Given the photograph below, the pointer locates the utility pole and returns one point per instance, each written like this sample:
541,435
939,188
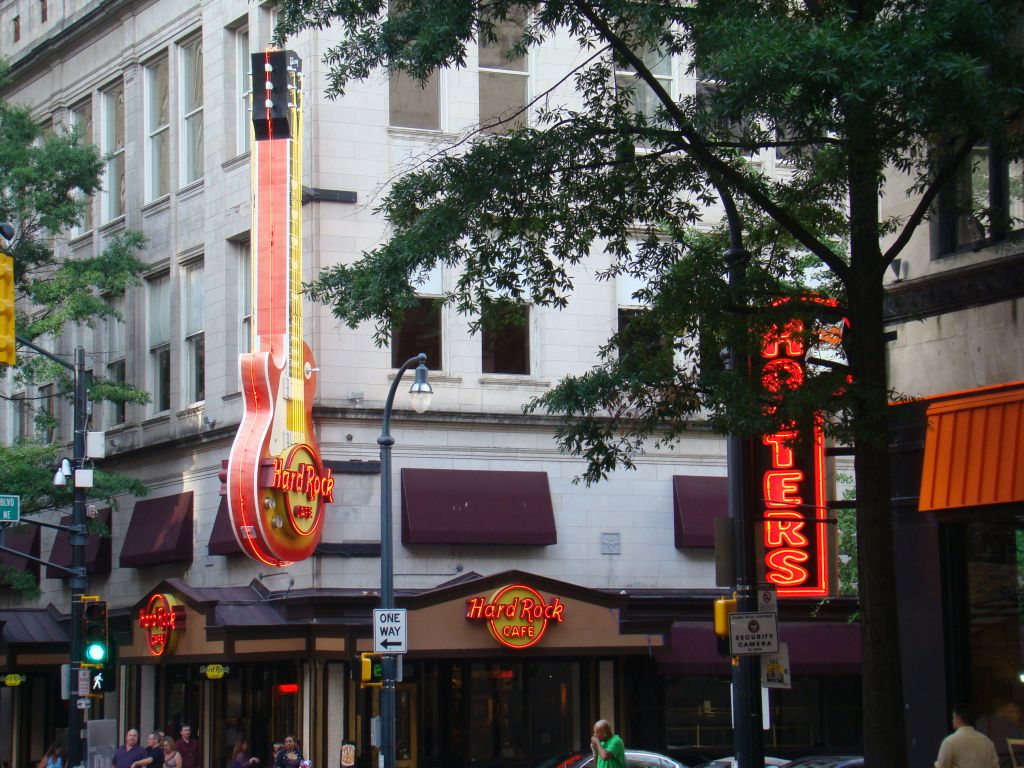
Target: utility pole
746,669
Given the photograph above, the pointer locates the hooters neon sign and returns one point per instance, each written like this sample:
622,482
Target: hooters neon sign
517,616
791,466
163,621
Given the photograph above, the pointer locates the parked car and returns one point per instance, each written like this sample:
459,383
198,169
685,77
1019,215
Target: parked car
733,762
635,758
828,761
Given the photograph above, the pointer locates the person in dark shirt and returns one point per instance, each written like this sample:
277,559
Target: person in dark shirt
130,754
155,750
290,756
188,748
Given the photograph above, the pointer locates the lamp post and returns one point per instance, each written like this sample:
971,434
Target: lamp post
420,392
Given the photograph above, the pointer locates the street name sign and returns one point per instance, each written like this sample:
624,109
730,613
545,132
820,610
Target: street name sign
10,508
84,703
753,633
389,630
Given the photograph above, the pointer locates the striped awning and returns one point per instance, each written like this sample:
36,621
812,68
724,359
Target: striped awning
974,451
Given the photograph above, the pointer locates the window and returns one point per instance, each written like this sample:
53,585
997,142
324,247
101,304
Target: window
412,105
44,13
46,417
420,332
503,81
160,342
81,122
116,350
16,28
640,94
245,297
194,336
113,147
242,86
505,339
707,88
23,426
191,99
158,129
985,203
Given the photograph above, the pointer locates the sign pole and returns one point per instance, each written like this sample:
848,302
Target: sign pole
78,581
746,669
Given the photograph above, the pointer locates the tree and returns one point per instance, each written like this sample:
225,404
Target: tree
863,96
47,179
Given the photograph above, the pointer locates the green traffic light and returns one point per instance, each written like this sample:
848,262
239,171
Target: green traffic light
96,653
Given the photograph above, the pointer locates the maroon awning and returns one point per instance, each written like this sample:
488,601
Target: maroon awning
97,549
465,506
815,648
697,501
222,539
160,532
24,538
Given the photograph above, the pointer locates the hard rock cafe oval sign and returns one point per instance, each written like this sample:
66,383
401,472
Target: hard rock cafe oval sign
517,616
163,621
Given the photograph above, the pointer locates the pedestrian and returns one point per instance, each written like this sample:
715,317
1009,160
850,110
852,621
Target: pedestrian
609,751
171,757
966,747
289,756
240,757
188,748
130,754
154,750
278,746
54,757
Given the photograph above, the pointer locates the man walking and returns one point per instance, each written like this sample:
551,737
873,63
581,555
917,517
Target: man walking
188,748
607,746
966,747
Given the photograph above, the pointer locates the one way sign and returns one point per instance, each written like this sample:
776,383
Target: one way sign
389,630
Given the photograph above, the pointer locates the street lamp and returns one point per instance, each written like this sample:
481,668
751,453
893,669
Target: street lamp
420,393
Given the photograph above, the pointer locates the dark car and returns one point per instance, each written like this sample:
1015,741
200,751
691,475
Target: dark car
828,761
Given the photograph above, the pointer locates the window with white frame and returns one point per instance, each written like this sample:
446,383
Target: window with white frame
81,122
116,350
195,350
158,129
113,147
46,419
22,416
503,78
242,88
159,327
641,95
191,101
421,327
505,338
412,104
245,297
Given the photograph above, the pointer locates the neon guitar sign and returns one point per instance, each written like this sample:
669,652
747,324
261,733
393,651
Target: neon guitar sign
277,484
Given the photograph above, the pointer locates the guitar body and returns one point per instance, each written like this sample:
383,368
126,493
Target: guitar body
276,482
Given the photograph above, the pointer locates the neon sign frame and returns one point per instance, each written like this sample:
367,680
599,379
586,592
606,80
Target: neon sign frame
517,616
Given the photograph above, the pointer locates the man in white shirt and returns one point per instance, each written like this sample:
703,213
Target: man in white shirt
966,747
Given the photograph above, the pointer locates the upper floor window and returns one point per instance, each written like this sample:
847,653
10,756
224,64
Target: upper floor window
191,100
23,416
195,343
412,104
44,11
420,331
985,202
504,78
242,87
245,297
505,338
46,419
116,351
159,327
158,129
641,95
81,122
16,28
113,147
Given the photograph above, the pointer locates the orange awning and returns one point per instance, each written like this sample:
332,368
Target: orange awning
974,451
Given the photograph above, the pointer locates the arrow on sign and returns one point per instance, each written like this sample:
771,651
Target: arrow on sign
390,643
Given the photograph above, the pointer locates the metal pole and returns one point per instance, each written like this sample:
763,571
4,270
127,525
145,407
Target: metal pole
746,669
387,568
78,581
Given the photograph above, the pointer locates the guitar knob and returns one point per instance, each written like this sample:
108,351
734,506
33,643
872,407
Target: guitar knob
277,521
269,502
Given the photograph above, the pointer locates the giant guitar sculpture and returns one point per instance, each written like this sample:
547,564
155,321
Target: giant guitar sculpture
276,482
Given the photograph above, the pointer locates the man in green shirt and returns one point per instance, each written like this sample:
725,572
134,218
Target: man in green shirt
607,746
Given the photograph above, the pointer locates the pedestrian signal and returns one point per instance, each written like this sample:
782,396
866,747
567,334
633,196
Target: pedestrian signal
371,672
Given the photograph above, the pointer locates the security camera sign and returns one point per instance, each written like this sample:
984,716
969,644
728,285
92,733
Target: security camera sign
753,633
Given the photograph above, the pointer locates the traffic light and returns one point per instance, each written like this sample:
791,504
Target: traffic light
7,340
371,673
723,607
95,647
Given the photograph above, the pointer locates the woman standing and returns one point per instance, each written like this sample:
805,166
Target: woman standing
290,756
240,755
171,757
54,757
